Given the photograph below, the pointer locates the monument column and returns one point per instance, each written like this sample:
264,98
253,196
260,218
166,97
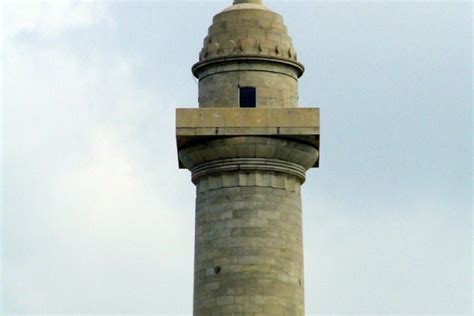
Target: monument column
248,148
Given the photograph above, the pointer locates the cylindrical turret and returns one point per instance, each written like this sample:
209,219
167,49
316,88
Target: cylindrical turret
248,246
248,166
248,47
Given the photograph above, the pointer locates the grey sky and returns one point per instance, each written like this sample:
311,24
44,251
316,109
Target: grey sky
96,217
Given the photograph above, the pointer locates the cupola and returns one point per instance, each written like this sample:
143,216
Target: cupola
248,59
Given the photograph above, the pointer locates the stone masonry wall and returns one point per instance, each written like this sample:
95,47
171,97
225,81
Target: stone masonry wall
248,247
276,85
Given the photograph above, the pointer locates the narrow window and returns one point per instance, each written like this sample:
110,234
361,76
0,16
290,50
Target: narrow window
248,97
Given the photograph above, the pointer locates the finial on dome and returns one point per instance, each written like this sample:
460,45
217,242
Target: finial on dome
247,1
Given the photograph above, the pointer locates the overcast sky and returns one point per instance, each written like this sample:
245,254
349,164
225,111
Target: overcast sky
97,218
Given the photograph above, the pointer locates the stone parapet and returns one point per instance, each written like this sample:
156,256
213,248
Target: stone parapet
274,133
304,119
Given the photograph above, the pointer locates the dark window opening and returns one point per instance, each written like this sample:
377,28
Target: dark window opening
248,97
217,269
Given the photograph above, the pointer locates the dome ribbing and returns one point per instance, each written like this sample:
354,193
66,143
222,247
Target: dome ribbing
247,30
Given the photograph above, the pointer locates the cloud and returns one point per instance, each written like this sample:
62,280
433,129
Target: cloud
97,218
50,18
91,204
371,256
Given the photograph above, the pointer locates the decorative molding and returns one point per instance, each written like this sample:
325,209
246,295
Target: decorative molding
206,61
248,172
249,178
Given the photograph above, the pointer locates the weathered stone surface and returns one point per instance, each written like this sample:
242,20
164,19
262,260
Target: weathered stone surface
253,234
248,244
276,84
248,46
248,165
247,118
253,30
273,148
194,126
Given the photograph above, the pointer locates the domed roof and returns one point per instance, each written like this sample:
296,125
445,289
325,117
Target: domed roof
248,30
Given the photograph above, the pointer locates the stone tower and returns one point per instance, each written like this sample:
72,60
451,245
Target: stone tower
248,147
